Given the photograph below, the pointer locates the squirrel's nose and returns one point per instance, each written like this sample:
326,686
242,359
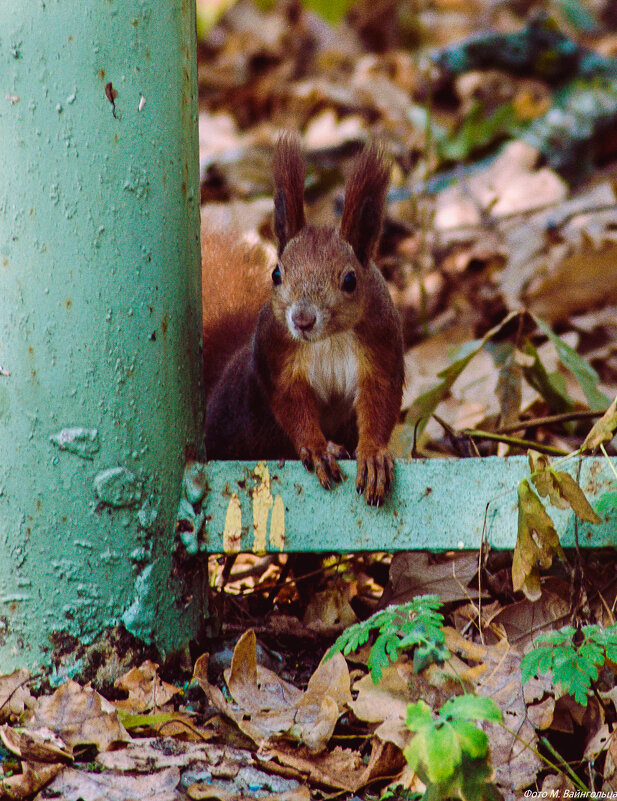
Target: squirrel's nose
304,319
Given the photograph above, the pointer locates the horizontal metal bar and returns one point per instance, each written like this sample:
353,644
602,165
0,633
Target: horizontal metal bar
436,505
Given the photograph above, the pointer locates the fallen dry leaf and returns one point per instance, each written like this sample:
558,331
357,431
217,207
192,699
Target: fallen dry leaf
33,777
610,766
522,620
603,430
36,745
198,792
145,754
541,715
145,688
510,185
14,694
576,277
80,716
339,769
561,489
386,700
330,608
600,741
265,706
327,694
421,573
254,687
536,545
249,782
79,785
327,131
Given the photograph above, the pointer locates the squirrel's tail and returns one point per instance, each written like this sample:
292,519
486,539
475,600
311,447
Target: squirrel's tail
235,285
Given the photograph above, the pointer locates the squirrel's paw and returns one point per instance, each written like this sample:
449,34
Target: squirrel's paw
322,460
375,474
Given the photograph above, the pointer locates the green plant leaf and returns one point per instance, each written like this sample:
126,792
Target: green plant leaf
586,376
384,648
592,652
575,676
416,623
419,716
131,721
443,752
479,129
557,637
416,754
606,638
574,667
350,640
475,782
470,707
548,386
537,661
333,11
473,741
429,653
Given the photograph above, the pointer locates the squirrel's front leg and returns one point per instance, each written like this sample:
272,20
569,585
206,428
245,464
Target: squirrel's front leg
377,409
295,409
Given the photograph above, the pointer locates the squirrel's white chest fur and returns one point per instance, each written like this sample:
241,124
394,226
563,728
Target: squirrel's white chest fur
332,367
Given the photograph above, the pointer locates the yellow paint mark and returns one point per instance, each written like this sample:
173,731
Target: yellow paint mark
277,524
232,532
262,503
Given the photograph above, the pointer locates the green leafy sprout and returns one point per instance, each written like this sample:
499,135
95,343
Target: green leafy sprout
449,752
415,625
574,664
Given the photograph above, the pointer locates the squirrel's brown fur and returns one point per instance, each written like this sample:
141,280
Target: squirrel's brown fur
323,372
235,284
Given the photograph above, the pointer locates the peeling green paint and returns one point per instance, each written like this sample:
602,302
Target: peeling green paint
195,483
82,442
118,486
148,514
262,503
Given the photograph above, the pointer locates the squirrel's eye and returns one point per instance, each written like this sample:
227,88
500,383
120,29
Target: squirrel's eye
276,276
349,282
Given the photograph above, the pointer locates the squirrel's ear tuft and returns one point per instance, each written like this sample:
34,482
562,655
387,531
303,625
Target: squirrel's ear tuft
289,172
365,198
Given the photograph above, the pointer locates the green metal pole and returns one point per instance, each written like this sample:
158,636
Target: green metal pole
99,319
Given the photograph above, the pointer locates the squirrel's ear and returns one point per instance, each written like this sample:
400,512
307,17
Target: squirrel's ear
289,172
365,198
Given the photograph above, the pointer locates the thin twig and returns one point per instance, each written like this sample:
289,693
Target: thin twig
515,441
536,422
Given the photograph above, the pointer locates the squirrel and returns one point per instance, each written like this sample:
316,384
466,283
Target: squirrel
322,375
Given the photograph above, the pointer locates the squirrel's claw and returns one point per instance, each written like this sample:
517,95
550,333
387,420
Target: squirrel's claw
338,451
375,473
323,462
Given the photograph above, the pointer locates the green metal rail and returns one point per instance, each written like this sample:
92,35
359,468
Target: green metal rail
437,504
